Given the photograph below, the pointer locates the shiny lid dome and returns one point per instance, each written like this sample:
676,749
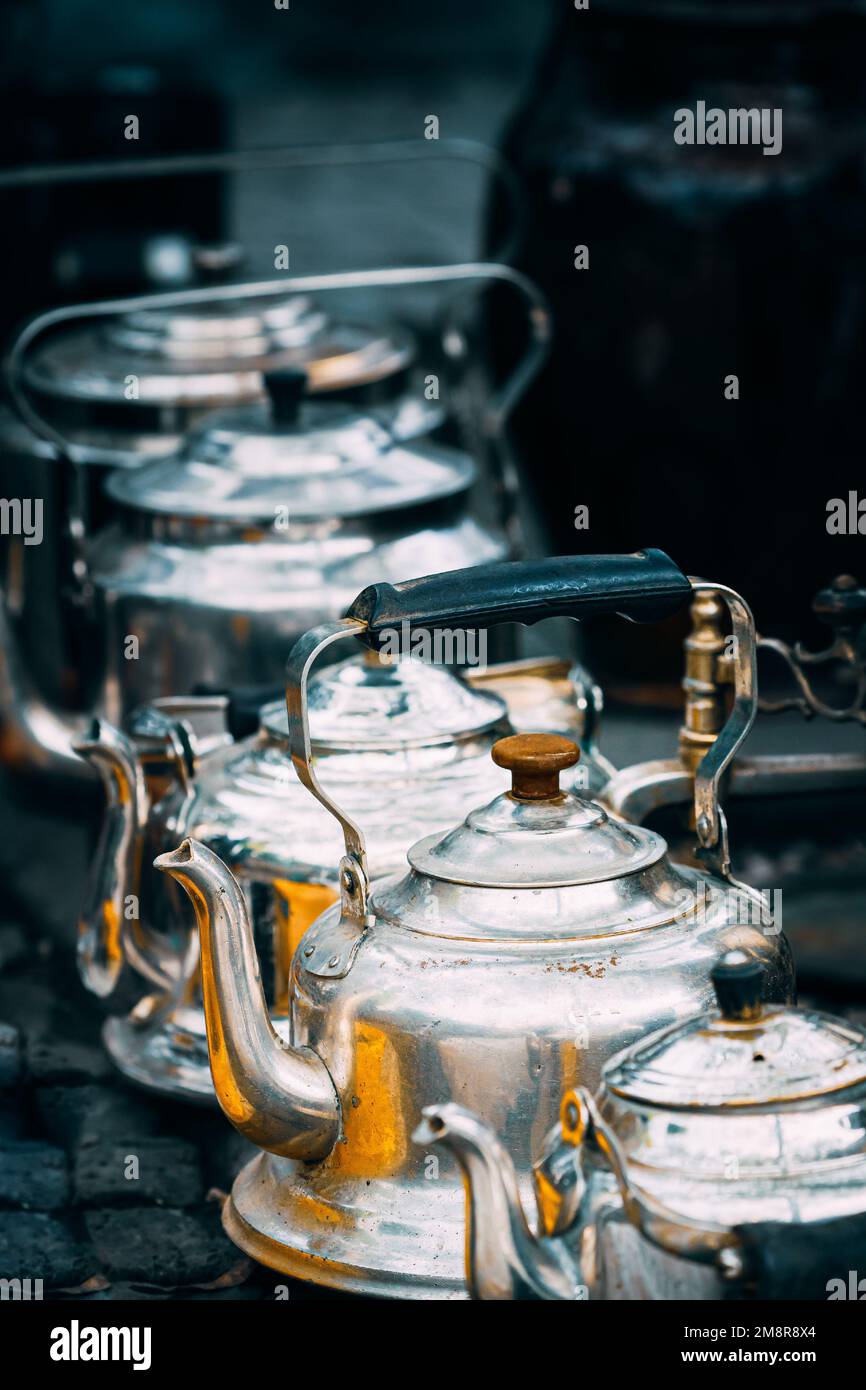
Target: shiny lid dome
742,1055
536,836
375,703
297,460
212,353
539,864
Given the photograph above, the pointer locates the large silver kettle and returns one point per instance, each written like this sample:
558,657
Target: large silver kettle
126,389
520,951
122,382
265,522
724,1156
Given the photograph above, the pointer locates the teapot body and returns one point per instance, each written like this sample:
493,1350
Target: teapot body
501,1025
723,1156
221,611
729,1175
125,392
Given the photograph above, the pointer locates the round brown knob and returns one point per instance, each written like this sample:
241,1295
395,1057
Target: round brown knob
535,762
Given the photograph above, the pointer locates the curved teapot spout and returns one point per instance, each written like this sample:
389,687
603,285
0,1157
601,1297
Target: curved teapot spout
111,932
33,736
113,881
281,1098
504,1259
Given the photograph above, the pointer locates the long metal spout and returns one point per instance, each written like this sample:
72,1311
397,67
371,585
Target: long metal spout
504,1259
113,880
111,932
281,1098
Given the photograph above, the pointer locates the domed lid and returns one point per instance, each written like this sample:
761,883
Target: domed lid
297,459
744,1054
212,353
373,703
536,836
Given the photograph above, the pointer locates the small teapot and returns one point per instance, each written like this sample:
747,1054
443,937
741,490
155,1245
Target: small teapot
722,1157
519,952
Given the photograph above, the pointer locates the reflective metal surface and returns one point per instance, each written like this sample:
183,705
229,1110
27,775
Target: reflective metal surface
420,988
745,1115
216,588
403,744
124,391
211,356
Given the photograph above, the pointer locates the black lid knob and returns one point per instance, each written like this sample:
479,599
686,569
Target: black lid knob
243,713
286,388
738,980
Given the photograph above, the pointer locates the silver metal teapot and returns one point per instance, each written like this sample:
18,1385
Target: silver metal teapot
520,951
126,389
267,521
723,1157
402,744
122,382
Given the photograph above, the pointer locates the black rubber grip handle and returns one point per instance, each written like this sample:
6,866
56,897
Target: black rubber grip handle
812,1260
643,587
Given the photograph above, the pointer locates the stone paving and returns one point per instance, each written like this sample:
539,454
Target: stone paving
105,1192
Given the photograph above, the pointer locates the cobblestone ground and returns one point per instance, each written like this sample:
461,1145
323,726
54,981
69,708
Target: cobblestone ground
69,1215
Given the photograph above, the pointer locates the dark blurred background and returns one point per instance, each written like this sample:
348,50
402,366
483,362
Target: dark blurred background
702,263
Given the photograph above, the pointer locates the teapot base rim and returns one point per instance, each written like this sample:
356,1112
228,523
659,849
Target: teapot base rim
263,1216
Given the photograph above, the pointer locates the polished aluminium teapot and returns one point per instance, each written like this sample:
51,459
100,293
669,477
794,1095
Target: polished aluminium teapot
518,953
402,744
266,522
126,390
724,1156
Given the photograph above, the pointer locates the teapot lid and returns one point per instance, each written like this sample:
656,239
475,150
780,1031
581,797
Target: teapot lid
210,353
299,458
536,835
374,702
743,1054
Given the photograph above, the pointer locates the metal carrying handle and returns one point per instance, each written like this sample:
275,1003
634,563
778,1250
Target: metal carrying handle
710,822
345,154
502,400
645,586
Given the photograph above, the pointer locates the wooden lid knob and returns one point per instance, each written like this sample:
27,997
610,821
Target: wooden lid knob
535,762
